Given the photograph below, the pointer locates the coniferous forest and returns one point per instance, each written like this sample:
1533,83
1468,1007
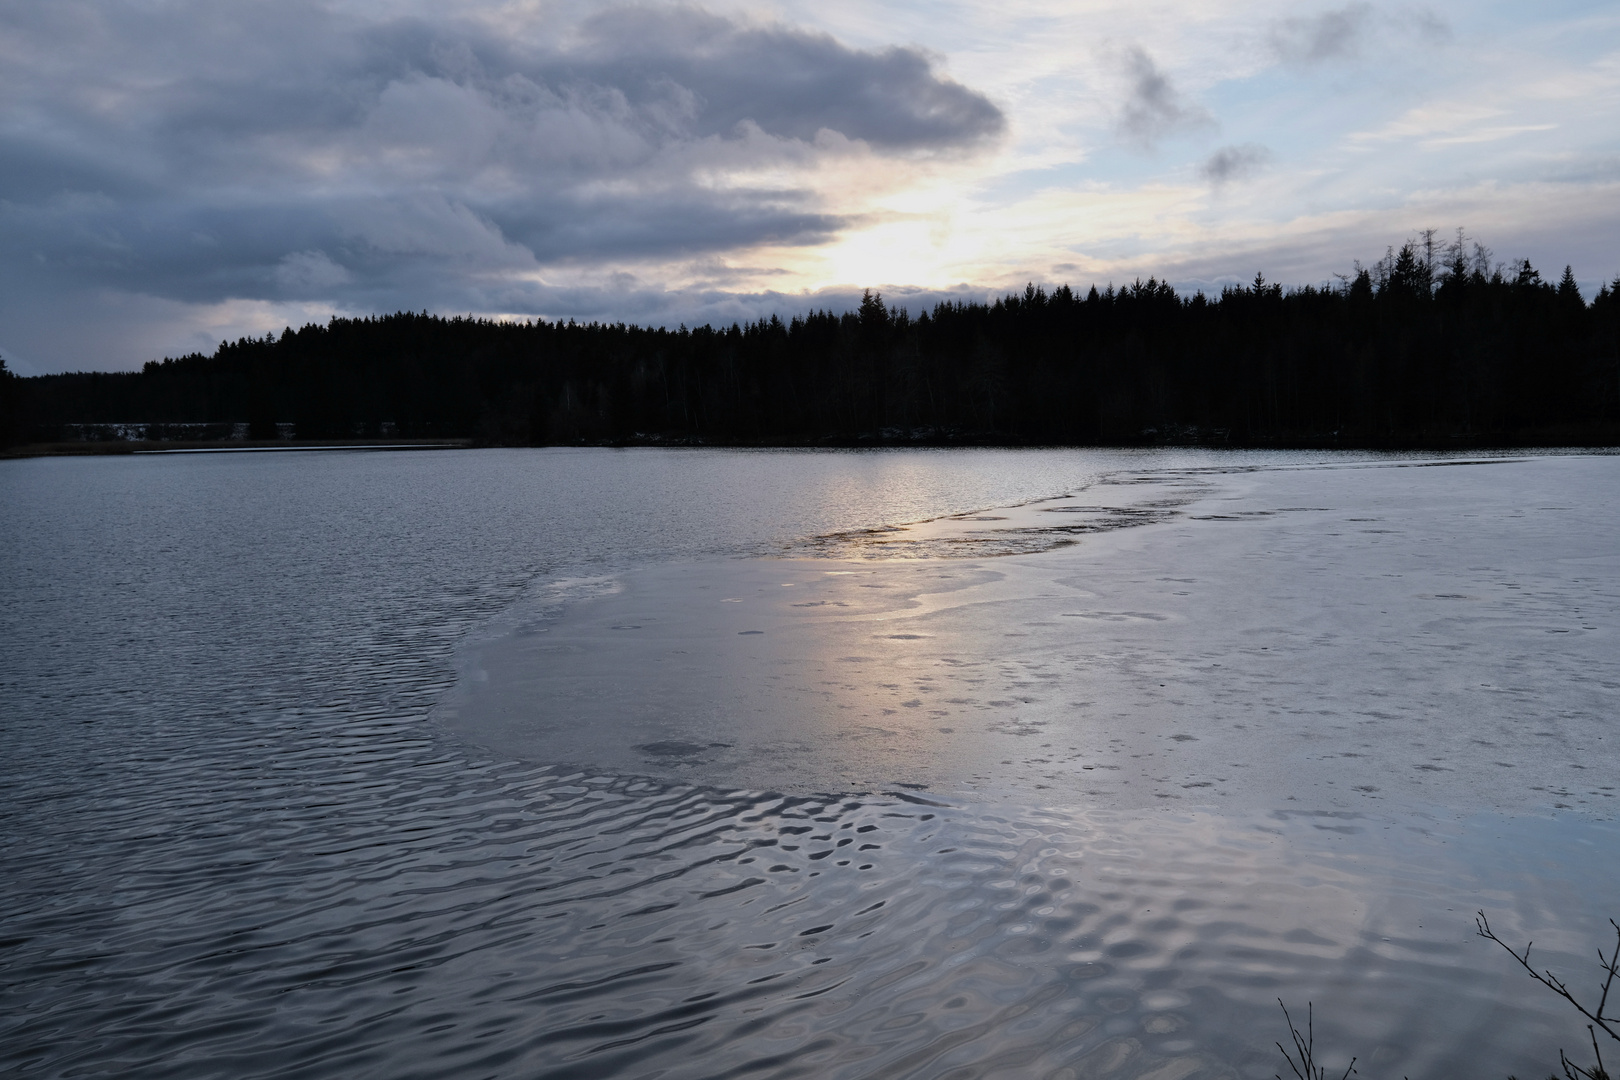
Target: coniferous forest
1430,346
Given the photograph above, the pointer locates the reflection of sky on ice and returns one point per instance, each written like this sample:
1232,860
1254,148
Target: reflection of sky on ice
241,842
1340,637
1278,732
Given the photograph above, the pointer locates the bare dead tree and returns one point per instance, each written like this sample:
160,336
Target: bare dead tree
1610,1025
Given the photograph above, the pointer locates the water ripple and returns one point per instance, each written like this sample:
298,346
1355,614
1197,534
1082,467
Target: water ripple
231,846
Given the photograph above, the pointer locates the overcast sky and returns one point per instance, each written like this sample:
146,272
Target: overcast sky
174,172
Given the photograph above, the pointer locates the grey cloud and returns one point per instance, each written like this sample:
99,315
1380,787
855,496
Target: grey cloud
297,150
1346,33
1231,163
769,75
1154,108
1328,35
1431,28
310,270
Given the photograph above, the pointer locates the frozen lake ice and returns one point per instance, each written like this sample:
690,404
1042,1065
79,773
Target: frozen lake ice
983,763
1344,636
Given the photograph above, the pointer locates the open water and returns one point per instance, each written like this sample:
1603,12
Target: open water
240,837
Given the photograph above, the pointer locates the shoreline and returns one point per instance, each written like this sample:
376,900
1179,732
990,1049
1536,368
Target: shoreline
1574,438
115,448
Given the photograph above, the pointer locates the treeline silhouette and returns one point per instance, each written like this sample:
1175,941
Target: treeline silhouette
1431,345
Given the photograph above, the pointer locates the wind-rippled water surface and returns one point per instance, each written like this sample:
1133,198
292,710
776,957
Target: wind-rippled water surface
234,844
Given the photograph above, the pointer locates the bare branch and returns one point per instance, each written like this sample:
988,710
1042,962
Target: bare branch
1306,1067
1546,978
1611,965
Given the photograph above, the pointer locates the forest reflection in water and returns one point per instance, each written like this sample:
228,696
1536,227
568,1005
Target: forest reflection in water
233,845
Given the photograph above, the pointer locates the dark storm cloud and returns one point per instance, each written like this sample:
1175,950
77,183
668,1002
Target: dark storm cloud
1231,163
789,82
283,151
1154,108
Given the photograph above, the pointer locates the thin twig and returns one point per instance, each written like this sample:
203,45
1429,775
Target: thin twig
1610,965
1613,964
1306,1068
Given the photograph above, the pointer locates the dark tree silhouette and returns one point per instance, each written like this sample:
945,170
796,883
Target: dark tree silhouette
11,405
1431,346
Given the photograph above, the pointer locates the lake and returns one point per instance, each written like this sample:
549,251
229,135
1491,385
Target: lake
704,763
